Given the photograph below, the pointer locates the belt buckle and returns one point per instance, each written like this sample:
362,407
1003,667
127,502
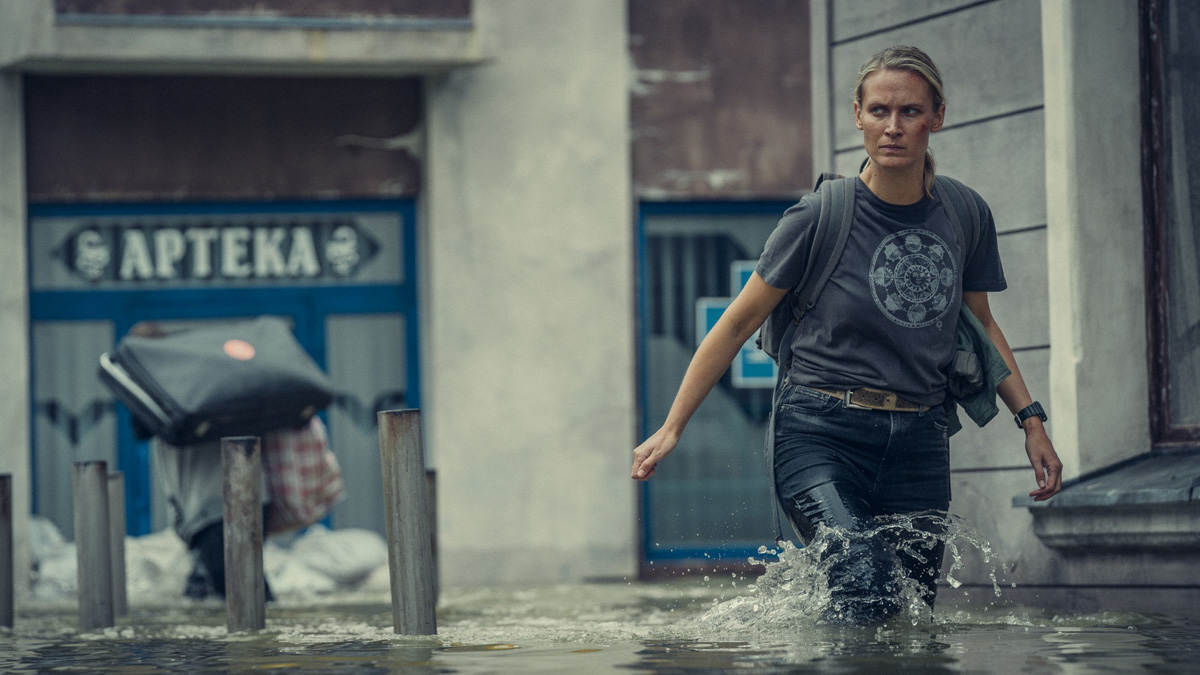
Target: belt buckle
850,404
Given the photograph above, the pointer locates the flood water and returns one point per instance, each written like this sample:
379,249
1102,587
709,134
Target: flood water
664,627
612,627
711,623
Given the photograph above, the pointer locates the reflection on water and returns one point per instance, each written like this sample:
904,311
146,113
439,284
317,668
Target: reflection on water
718,623
663,627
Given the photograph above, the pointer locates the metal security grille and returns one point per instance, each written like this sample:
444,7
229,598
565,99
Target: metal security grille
711,498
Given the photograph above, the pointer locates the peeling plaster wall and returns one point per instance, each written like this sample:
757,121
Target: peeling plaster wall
155,138
528,349
720,99
14,322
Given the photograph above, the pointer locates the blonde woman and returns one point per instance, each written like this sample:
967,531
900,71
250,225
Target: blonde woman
860,428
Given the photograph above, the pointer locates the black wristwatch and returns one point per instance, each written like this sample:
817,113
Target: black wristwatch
1031,410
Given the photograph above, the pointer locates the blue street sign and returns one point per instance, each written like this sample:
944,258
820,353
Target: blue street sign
752,368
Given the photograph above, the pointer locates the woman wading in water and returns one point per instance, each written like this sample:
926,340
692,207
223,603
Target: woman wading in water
860,428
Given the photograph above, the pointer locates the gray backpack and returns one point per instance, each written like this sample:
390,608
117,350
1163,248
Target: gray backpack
833,199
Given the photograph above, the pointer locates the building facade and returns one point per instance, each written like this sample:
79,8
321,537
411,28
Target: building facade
436,194
521,216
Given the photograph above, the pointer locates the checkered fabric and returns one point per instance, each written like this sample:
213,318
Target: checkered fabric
303,476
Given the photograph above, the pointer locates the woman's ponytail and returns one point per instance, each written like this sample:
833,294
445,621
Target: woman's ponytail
930,172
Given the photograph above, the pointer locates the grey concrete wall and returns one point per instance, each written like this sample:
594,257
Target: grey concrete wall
31,40
1099,370
14,320
528,345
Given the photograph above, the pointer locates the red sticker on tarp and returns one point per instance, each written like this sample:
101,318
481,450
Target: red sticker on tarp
239,349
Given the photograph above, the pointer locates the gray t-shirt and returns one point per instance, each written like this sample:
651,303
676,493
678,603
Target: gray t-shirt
887,317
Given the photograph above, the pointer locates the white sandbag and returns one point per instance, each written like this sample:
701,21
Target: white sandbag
346,555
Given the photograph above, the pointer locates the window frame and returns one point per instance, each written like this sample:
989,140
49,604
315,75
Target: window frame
654,561
1164,433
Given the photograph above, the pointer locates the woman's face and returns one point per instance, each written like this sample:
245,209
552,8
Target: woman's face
896,116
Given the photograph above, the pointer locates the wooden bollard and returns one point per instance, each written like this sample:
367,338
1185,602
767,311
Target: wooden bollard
93,548
116,528
245,589
6,552
410,558
431,501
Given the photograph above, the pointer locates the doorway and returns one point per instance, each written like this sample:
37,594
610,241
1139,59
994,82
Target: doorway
342,273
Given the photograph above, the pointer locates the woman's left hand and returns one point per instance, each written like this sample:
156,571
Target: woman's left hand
1047,468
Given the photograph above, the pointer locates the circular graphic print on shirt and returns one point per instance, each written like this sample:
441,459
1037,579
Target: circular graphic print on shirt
913,275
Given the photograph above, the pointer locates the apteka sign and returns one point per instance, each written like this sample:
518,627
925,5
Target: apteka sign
143,252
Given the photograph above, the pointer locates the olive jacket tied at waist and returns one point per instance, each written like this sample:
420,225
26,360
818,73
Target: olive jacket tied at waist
976,371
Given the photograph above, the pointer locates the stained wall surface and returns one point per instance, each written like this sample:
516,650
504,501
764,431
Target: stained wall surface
719,104
528,253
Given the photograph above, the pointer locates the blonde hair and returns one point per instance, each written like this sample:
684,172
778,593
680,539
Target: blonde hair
913,60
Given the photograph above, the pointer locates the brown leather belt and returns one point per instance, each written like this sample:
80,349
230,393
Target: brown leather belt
873,399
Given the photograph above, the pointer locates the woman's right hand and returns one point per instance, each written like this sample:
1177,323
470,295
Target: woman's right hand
647,455
716,351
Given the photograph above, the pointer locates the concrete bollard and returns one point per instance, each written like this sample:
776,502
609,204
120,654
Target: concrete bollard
116,527
93,547
6,552
410,558
245,588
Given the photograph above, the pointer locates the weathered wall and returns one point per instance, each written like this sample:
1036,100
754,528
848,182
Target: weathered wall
296,8
720,105
1097,289
315,40
528,346
14,320
157,138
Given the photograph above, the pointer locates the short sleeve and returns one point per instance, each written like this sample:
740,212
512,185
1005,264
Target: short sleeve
984,271
785,254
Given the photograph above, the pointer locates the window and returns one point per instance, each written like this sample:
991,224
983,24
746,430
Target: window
1171,91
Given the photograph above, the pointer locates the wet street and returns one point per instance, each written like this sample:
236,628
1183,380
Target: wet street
680,626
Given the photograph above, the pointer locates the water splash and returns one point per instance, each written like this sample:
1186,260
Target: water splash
795,591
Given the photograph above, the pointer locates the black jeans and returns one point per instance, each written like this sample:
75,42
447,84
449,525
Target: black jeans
209,545
849,468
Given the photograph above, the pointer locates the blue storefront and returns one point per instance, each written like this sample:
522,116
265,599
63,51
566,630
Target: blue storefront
342,272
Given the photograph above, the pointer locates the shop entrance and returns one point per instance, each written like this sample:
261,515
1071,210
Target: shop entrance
343,274
714,502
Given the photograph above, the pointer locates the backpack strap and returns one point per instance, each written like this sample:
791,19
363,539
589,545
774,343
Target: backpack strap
964,211
836,197
835,203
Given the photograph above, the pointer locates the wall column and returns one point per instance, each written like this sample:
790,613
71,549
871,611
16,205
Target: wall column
1097,297
14,320
528,361
821,55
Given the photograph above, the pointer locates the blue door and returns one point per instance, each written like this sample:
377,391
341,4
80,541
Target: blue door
711,499
343,273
